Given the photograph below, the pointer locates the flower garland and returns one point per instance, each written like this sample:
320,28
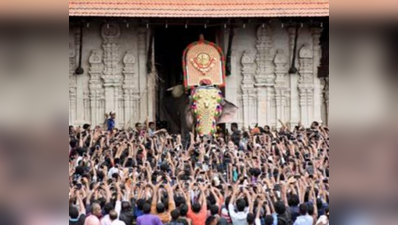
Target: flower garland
207,108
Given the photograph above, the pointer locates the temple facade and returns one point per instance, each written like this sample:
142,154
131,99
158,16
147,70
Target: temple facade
116,55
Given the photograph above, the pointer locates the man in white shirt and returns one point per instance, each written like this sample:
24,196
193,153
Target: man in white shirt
304,218
239,217
107,220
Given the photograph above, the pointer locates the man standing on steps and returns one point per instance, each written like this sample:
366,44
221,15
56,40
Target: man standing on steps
110,122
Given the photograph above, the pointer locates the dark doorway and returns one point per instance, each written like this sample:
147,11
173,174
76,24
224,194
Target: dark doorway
170,44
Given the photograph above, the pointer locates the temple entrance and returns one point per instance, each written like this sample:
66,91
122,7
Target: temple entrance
170,44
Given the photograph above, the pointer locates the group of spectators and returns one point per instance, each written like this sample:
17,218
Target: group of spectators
254,176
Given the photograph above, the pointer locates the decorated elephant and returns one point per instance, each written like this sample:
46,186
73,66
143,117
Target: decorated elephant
205,107
202,110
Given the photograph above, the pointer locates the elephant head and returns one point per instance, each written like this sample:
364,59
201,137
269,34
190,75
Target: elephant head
210,108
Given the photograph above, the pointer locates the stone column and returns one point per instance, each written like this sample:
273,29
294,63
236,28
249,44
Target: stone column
145,104
130,87
294,94
95,86
318,91
281,86
248,90
74,38
112,74
306,85
265,76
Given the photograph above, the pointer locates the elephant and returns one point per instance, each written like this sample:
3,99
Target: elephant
180,113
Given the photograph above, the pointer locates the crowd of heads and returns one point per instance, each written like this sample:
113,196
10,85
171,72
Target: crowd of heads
144,176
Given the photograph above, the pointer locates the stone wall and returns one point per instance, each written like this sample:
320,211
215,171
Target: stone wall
261,84
116,79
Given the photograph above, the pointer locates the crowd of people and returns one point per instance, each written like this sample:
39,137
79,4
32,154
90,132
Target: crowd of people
253,176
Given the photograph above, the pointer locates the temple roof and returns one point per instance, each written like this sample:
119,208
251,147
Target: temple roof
199,8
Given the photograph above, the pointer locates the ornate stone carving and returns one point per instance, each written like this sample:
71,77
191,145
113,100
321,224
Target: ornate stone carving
281,86
306,84
95,85
265,69
248,90
131,92
74,36
265,76
112,73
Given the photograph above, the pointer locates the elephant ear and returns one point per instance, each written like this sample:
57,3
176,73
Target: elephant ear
228,113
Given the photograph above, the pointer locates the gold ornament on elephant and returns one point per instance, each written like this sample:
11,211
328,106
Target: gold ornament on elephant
206,105
204,62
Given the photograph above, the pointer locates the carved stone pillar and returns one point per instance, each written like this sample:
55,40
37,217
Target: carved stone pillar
326,99
74,37
318,92
112,74
281,85
293,78
306,85
265,76
131,91
95,86
248,90
145,104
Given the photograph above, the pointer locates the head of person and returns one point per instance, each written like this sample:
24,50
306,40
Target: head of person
269,220
126,206
234,127
138,127
241,205
196,207
113,115
303,209
184,210
280,208
96,209
294,201
175,214
147,208
152,125
108,208
214,210
73,213
160,208
113,215
140,204
251,218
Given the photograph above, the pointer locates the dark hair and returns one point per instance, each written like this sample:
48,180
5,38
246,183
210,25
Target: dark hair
251,218
269,220
160,208
73,212
113,215
196,207
147,208
184,210
175,214
311,209
294,201
241,205
108,208
140,204
303,209
280,208
126,206
214,210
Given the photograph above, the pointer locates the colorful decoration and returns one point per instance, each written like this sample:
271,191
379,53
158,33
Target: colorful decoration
204,73
203,61
207,108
